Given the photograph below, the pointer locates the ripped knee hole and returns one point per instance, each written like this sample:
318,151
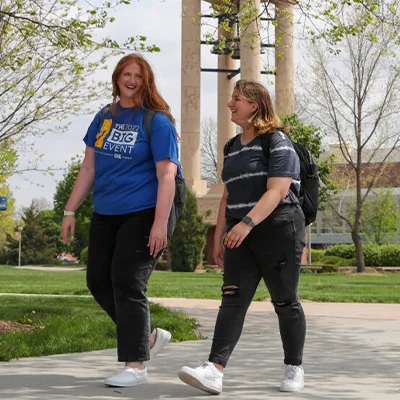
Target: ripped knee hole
230,290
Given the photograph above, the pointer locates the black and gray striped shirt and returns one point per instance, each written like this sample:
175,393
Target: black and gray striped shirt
246,171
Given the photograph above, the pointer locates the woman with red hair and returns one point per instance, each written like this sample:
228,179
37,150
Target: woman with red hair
132,175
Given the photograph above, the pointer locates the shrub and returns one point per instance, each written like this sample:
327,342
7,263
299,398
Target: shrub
331,260
84,256
187,243
347,262
390,255
306,271
341,250
372,254
329,268
316,255
161,266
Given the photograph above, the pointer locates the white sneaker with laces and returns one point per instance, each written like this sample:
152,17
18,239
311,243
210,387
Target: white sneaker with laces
127,377
293,379
163,337
205,377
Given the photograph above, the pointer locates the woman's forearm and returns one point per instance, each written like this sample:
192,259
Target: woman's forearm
165,197
84,182
264,207
221,223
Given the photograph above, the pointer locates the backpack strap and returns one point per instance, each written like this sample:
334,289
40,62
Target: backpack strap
103,113
266,143
229,144
147,121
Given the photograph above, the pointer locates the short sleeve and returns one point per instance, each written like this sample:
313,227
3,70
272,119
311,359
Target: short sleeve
92,131
283,159
163,139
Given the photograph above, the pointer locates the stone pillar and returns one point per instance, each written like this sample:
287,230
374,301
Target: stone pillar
284,59
250,45
190,92
225,127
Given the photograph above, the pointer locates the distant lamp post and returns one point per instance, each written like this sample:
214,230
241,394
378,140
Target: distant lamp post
309,244
20,241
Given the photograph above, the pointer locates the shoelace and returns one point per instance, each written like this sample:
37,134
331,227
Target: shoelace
204,364
291,372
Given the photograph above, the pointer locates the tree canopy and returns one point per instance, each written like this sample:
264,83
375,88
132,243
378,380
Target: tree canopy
49,51
355,96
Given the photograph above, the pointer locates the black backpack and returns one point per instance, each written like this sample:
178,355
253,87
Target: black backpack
309,179
180,184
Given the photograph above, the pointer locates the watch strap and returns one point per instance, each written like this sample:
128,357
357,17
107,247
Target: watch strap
248,221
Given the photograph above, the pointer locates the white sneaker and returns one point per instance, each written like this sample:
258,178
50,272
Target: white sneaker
162,339
205,377
293,379
128,377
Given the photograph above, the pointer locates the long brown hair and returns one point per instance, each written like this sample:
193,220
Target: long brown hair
264,118
148,95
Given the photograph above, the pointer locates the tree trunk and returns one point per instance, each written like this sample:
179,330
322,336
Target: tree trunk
355,234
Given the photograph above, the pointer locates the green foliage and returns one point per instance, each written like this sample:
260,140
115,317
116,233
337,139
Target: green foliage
311,137
326,268
8,158
345,100
341,250
330,260
390,255
37,245
316,255
372,255
323,19
347,262
49,55
8,161
161,266
7,222
50,223
381,217
83,214
84,256
386,255
187,243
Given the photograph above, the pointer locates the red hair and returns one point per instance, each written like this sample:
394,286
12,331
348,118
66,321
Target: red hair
148,95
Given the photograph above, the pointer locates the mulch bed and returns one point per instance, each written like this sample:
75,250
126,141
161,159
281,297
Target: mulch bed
12,326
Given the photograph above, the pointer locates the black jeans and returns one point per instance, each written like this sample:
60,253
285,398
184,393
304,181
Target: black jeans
271,251
118,270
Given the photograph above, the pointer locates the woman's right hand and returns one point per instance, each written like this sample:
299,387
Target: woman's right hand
68,229
218,253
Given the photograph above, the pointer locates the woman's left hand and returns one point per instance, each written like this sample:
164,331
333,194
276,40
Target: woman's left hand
157,238
236,235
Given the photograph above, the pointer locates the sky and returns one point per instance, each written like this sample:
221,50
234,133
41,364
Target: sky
160,22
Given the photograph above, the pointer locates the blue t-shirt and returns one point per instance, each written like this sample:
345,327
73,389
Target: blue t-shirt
125,173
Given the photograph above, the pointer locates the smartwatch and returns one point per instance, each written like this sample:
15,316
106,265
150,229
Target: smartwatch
248,221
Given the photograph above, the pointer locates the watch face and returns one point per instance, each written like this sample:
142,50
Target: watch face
247,220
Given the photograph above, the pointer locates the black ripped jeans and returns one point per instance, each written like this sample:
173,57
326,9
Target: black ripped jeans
271,251
118,270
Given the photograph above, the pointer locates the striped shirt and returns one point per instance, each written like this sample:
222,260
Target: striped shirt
246,171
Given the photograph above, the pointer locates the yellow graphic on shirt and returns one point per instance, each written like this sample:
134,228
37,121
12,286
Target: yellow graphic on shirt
104,131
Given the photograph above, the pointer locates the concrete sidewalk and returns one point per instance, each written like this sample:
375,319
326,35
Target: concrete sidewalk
352,352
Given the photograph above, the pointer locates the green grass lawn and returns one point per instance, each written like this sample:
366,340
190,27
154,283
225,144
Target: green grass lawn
68,325
333,287
77,324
